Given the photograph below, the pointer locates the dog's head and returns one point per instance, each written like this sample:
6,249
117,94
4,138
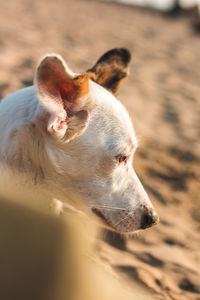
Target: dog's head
90,139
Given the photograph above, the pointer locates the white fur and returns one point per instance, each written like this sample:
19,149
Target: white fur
83,170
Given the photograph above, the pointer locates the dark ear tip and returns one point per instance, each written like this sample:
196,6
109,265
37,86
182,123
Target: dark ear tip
122,55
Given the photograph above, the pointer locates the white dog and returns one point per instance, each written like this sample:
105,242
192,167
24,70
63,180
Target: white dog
69,134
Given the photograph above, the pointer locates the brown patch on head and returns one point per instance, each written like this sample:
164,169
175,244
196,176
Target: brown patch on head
74,90
111,69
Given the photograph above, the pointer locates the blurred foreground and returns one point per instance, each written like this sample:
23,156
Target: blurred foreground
162,97
45,257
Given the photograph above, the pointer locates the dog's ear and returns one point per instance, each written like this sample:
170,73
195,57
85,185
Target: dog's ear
62,95
111,69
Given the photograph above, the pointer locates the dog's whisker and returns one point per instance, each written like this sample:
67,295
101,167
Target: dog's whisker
107,207
110,207
123,219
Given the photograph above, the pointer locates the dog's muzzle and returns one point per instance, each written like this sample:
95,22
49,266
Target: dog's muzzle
125,221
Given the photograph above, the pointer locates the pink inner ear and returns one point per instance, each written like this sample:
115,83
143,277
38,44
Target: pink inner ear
61,87
60,91
68,91
50,88
52,78
58,86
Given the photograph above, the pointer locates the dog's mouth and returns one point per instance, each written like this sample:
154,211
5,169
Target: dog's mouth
126,221
99,214
104,220
108,224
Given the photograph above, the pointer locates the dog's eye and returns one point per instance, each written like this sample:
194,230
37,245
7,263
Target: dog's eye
122,158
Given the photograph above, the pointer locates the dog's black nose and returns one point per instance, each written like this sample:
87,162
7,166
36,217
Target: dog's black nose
149,218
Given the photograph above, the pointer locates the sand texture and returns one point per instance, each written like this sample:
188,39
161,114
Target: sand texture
162,95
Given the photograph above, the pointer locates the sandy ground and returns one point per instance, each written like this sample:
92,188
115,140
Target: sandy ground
162,97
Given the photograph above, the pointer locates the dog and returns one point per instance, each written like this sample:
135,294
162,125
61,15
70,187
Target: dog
69,134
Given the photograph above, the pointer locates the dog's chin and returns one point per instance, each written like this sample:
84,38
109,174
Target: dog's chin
102,220
106,223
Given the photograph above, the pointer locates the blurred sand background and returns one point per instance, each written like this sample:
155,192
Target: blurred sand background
162,97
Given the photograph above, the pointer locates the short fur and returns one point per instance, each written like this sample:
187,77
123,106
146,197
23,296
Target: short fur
67,133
